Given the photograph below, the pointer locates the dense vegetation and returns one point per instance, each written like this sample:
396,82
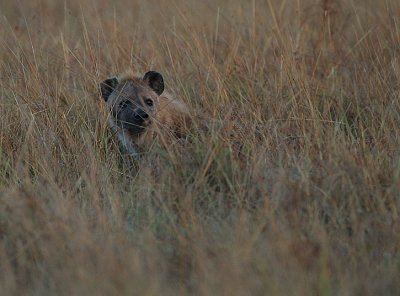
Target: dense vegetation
293,191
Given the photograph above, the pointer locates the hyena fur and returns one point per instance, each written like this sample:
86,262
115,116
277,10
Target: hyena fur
140,109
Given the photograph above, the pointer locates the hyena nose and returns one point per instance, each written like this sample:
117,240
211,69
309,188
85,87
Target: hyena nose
141,115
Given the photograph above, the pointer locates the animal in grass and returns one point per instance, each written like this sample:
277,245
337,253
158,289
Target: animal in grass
140,109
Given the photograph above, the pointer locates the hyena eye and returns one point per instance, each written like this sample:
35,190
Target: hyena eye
123,104
149,102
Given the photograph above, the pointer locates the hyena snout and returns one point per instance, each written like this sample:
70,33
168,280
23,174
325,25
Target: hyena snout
140,116
134,120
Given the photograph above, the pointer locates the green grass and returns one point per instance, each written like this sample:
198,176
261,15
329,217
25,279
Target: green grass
294,190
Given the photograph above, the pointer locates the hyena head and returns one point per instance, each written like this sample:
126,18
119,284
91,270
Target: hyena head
133,100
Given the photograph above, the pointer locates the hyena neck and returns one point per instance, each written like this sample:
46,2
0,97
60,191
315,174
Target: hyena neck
124,139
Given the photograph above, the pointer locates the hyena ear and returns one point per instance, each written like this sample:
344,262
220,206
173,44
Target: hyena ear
107,87
155,81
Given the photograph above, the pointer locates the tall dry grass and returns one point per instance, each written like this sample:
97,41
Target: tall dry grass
295,190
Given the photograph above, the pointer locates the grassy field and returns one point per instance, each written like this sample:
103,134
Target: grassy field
295,190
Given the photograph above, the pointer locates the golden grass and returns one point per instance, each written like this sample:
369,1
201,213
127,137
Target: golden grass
295,191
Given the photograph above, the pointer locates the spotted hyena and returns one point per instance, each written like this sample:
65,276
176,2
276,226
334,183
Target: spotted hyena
140,109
